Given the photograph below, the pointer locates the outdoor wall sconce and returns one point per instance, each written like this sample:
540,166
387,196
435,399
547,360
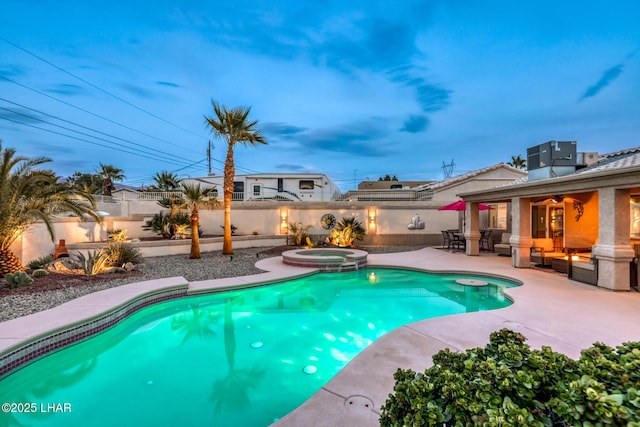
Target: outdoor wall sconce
284,218
371,213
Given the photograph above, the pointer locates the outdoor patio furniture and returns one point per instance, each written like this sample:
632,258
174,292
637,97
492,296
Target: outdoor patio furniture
446,240
504,247
585,270
484,240
543,252
456,240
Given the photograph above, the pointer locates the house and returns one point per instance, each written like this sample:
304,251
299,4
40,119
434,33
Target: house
291,187
581,201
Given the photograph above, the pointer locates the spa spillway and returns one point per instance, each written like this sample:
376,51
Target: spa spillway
327,260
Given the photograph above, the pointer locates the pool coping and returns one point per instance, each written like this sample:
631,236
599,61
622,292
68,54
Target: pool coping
353,397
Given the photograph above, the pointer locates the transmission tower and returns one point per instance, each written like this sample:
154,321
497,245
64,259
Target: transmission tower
447,169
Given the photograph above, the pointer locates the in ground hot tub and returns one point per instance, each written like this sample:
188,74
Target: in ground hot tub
328,260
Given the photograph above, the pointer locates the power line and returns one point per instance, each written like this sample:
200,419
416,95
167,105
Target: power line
89,112
75,137
106,92
155,156
153,151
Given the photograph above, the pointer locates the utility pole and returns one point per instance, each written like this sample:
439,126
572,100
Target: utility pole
209,148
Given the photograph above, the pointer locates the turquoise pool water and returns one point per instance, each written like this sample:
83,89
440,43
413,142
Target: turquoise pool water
238,358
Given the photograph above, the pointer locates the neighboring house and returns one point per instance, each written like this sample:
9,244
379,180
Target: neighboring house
290,187
444,191
579,201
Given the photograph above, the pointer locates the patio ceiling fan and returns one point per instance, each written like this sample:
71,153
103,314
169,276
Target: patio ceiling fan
578,205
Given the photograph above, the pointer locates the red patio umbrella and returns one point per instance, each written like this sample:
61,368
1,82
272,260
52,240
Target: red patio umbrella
461,205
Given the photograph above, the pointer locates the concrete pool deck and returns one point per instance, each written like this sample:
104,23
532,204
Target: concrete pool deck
548,309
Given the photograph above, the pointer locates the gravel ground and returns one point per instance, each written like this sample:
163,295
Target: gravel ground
210,266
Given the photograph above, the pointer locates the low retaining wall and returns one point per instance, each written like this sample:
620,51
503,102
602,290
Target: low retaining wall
155,248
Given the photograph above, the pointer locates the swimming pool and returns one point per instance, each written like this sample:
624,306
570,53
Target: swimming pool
245,357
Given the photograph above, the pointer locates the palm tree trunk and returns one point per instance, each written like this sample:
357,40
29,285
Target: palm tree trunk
9,262
227,247
195,238
229,172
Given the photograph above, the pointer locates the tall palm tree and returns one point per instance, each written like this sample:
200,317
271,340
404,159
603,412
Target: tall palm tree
233,127
109,175
166,181
28,195
194,196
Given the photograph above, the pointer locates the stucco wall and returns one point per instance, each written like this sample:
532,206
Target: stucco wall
389,225
582,233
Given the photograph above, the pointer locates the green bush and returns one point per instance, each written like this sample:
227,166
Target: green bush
40,262
120,253
18,279
40,272
507,384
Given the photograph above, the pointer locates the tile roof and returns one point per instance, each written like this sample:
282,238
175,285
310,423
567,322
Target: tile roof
616,160
469,175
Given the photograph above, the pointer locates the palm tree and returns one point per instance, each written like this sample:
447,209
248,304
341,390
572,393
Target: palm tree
109,174
233,127
194,196
166,181
518,162
27,196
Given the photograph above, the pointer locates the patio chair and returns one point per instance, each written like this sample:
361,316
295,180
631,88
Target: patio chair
446,240
456,240
484,240
504,247
543,251
585,270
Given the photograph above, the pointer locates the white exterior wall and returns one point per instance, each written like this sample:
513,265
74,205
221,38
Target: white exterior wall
262,218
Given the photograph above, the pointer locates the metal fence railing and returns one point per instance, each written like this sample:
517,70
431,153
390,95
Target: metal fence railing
387,195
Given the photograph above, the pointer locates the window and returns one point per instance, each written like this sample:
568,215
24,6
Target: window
396,186
306,184
280,185
498,216
238,190
256,190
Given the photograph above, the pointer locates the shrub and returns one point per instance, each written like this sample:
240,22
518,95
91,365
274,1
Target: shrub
168,225
40,272
507,383
18,279
40,262
233,228
118,235
298,232
120,253
347,231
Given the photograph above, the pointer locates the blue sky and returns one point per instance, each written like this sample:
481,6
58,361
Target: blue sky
354,89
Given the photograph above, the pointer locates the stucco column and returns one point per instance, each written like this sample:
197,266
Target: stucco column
613,251
472,229
520,239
